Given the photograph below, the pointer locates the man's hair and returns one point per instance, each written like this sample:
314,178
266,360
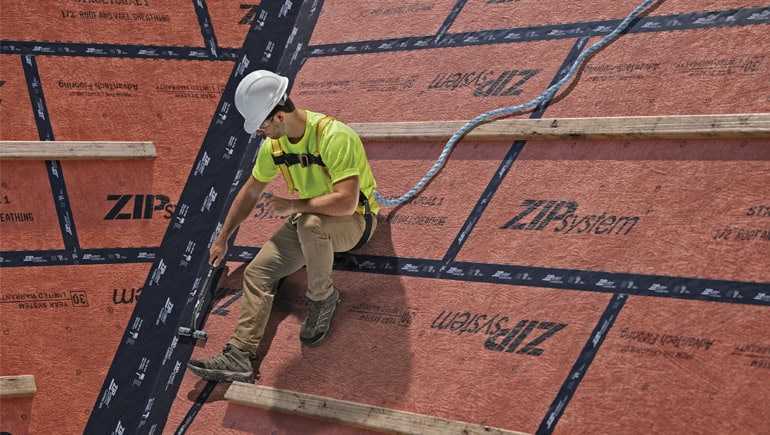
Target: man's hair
287,106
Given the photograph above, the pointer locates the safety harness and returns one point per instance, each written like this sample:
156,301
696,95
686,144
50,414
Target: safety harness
283,160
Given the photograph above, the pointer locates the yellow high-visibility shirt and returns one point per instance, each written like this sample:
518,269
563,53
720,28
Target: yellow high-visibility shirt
341,150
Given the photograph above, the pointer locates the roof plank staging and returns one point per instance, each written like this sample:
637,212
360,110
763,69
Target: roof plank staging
732,126
75,150
356,414
17,386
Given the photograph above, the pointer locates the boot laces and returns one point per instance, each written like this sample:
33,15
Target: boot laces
222,360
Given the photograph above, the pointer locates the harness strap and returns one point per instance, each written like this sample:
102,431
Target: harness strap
303,160
283,159
277,153
368,217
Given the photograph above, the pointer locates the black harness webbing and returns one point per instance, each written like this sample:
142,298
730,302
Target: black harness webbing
306,160
368,217
303,160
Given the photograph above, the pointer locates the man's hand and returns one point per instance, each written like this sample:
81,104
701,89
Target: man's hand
281,206
217,252
341,201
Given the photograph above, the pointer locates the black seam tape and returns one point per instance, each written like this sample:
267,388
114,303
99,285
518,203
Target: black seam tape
583,362
505,165
207,30
55,173
661,23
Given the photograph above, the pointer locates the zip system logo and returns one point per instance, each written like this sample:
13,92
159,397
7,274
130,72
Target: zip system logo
485,83
144,207
521,338
542,213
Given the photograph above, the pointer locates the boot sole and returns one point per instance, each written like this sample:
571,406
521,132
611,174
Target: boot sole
315,341
221,375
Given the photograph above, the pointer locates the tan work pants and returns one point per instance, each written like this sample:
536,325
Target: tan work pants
304,240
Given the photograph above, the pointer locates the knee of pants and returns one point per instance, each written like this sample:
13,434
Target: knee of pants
255,279
309,224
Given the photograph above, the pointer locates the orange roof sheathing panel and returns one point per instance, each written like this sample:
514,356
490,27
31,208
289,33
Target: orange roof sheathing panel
64,325
696,72
146,22
502,14
168,103
677,366
646,207
18,122
28,219
428,85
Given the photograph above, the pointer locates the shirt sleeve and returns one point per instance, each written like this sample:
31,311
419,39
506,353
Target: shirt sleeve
264,168
341,154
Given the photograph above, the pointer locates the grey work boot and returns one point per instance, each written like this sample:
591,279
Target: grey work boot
319,319
231,365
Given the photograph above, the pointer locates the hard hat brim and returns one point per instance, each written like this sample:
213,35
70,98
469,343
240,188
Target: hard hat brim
251,126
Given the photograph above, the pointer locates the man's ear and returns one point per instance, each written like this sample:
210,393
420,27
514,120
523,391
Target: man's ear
280,115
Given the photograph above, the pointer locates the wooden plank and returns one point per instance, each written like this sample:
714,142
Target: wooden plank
356,414
64,150
17,386
756,125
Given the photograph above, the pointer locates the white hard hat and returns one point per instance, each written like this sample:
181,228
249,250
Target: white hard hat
257,95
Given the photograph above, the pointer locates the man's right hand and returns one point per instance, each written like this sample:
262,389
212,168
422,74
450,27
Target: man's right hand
217,252
242,205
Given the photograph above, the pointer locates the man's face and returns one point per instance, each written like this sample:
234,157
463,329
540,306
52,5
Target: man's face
272,127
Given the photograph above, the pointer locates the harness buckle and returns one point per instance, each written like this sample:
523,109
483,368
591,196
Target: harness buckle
304,160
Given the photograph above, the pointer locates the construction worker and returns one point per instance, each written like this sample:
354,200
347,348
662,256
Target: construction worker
324,162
